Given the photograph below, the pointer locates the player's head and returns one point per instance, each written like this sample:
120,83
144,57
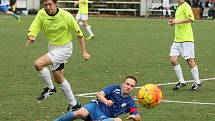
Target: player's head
50,6
180,1
129,84
54,1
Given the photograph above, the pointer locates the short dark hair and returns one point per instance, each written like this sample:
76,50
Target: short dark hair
131,77
54,1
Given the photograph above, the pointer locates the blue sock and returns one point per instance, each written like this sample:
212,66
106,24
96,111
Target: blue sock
14,15
69,116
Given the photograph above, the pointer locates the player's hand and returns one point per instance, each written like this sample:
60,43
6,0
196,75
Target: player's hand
86,56
171,22
108,103
134,117
30,40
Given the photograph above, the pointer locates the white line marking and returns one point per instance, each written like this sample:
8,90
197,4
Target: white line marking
92,95
164,84
183,102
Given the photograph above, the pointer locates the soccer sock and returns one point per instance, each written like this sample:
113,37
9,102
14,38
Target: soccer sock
89,30
65,87
45,74
81,24
69,116
164,12
179,73
169,12
14,15
195,74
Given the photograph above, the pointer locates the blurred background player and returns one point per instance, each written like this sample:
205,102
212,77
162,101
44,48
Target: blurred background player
58,32
82,17
13,5
4,9
111,102
184,44
166,8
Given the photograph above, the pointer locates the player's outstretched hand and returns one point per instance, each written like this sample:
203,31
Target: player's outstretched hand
30,40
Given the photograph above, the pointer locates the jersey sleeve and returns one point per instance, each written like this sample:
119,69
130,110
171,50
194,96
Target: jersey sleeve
109,89
75,27
189,13
36,25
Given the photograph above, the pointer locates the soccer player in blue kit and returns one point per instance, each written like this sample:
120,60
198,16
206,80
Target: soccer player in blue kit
4,9
111,102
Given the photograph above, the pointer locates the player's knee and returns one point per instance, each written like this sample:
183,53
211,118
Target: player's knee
80,113
173,61
191,62
38,65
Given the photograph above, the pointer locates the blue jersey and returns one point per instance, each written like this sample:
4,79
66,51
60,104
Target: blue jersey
2,3
3,6
121,104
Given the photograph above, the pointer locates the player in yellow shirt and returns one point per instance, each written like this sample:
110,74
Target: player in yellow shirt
82,17
56,24
183,44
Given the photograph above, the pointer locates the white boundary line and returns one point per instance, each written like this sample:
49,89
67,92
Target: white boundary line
92,95
164,84
183,102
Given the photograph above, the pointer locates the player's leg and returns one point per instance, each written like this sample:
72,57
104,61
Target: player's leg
5,9
178,72
40,65
66,89
87,26
59,56
79,21
81,113
189,55
112,119
195,73
174,54
194,70
169,11
164,11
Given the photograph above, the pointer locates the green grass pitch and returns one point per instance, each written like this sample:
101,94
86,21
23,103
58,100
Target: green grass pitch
122,46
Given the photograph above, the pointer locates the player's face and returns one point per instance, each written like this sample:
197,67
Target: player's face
128,86
50,6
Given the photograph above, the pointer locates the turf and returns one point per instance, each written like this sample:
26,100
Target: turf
122,46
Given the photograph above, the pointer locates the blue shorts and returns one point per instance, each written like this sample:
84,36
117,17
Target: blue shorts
4,8
95,112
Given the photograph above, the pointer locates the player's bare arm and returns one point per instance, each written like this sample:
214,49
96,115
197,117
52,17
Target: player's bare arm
101,97
174,21
78,2
85,54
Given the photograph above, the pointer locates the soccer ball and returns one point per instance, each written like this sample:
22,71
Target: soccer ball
149,95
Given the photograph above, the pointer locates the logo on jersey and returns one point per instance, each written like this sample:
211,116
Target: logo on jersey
123,105
117,91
